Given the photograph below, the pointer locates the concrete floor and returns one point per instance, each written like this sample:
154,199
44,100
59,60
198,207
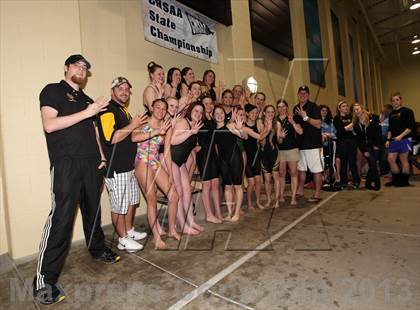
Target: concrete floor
356,250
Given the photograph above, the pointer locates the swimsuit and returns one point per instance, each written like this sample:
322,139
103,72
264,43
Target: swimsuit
206,159
231,162
253,164
148,151
180,152
269,154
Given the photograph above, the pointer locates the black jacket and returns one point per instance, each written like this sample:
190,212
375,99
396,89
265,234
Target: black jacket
370,136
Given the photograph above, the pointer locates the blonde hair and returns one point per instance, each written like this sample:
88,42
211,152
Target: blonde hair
339,104
365,114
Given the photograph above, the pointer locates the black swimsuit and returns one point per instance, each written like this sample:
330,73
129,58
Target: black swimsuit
180,152
269,154
207,157
228,116
230,157
253,164
212,94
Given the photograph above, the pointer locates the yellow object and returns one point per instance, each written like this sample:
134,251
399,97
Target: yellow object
108,123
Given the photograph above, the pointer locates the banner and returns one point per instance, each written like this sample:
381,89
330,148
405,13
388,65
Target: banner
179,28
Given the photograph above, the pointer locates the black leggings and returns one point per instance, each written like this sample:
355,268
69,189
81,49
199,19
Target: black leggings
372,178
347,151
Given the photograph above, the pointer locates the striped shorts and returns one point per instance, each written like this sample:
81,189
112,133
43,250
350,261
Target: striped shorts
123,191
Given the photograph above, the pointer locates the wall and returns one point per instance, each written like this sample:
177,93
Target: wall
271,72
350,22
33,49
403,77
4,227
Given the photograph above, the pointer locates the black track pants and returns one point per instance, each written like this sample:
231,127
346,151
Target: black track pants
72,181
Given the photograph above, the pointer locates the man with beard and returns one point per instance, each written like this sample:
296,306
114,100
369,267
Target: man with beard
310,149
115,128
77,166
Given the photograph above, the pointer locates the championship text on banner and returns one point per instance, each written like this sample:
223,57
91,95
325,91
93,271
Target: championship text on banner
177,27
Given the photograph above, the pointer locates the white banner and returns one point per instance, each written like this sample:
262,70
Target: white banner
179,28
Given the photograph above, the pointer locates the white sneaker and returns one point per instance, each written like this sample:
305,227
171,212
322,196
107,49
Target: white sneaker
129,245
136,235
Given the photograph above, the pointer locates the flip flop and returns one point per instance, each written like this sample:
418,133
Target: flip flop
314,199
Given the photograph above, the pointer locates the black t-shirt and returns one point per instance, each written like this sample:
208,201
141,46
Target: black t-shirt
291,140
400,120
114,118
339,123
311,137
77,141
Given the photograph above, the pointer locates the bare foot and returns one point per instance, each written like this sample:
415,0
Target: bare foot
161,231
267,204
197,227
190,231
159,244
281,199
174,235
235,218
260,206
276,205
228,218
293,203
251,208
213,219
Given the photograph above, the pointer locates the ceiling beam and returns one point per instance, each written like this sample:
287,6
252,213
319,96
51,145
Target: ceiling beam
391,17
398,28
397,45
378,44
375,4
405,40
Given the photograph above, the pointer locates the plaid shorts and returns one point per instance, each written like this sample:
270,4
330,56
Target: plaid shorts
123,191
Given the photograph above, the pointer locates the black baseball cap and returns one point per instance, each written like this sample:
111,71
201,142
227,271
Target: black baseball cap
303,88
119,81
76,58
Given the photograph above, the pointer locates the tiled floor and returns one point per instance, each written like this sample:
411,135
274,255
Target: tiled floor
358,250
